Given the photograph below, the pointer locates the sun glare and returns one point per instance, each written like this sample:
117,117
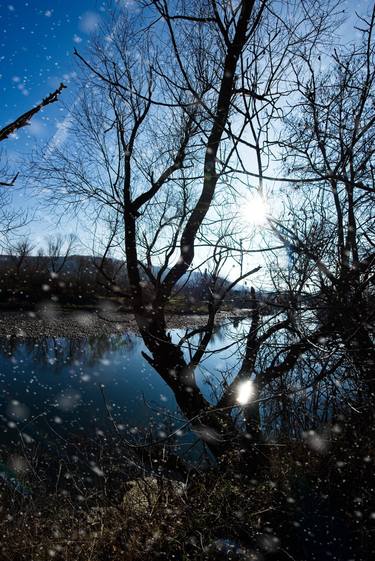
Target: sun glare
254,210
245,392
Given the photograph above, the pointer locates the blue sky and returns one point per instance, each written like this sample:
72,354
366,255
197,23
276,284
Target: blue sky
36,53
38,38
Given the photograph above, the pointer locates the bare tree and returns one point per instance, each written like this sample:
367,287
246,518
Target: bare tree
59,250
162,135
11,219
17,269
24,120
331,143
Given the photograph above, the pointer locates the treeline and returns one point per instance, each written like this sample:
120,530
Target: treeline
81,280
76,280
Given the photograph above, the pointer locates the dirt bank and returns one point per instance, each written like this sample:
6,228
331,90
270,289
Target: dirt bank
53,322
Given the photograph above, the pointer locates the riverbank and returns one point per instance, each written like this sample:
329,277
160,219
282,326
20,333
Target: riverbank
55,322
295,509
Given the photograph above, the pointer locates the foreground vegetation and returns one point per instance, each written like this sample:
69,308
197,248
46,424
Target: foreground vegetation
107,500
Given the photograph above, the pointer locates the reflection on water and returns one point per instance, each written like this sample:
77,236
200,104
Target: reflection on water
74,387
55,384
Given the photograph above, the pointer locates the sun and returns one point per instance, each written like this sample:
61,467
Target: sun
254,210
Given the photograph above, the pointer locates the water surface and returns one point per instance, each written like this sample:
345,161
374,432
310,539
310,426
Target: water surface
74,386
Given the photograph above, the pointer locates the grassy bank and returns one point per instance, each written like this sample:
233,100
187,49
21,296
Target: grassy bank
313,500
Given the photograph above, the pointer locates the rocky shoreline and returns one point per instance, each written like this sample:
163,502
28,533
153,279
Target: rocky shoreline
82,323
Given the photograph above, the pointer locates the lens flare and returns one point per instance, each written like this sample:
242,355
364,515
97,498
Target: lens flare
245,392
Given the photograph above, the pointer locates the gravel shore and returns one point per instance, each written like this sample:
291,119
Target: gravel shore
51,322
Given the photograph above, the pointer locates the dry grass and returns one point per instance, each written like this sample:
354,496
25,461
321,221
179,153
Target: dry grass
219,513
